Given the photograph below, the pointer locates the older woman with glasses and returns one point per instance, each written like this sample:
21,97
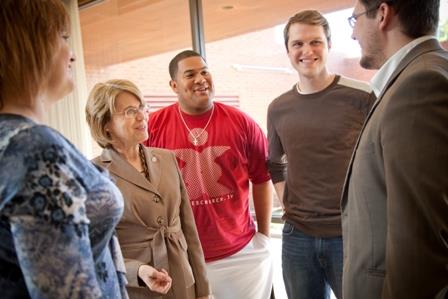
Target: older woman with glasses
157,230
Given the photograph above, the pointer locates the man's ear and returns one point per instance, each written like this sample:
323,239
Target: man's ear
385,14
329,45
173,85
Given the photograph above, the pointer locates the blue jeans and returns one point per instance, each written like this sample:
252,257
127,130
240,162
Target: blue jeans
311,266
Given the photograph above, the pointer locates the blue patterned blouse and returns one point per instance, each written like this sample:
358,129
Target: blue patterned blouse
57,218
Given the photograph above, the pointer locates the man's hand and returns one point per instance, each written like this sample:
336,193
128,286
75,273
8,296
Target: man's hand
157,281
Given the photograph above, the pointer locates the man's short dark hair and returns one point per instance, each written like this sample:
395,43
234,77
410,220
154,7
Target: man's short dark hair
417,17
174,63
307,17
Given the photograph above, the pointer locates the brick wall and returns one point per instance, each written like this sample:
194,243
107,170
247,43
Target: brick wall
254,88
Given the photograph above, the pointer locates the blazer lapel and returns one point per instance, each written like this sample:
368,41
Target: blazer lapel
427,46
119,167
154,167
424,47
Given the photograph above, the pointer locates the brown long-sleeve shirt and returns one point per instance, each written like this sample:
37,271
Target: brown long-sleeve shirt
311,139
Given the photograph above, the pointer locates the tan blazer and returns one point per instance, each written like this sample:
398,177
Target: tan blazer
395,199
157,227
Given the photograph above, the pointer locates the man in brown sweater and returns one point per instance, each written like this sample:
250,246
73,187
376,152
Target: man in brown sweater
312,130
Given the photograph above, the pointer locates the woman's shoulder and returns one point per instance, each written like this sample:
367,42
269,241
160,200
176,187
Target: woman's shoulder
33,142
22,139
161,152
26,134
161,156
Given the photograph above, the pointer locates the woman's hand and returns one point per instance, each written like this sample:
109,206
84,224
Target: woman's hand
157,281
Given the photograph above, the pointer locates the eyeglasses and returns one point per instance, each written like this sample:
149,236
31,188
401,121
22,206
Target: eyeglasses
352,19
131,112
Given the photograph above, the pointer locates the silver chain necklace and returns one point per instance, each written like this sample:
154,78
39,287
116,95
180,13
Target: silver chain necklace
195,138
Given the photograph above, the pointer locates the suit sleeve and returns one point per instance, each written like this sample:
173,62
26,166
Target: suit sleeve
132,272
414,136
195,253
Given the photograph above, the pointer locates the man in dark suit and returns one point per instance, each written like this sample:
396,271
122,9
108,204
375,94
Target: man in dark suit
395,199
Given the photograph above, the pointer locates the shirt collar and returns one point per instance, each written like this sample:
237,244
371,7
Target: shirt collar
381,78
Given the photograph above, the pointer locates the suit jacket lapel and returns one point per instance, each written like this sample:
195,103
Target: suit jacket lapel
119,167
427,46
349,170
154,167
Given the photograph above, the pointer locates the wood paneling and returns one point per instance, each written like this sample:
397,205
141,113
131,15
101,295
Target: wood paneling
116,31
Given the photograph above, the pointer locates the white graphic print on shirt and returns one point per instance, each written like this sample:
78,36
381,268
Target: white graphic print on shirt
201,173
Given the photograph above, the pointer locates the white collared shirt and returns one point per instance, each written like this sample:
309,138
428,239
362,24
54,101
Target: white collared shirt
378,82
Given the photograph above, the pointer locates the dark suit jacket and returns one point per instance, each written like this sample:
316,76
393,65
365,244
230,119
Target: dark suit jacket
157,227
395,199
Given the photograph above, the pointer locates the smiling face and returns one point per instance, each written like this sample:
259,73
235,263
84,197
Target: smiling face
127,131
308,50
193,85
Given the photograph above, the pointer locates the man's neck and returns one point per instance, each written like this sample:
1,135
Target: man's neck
308,85
394,40
196,111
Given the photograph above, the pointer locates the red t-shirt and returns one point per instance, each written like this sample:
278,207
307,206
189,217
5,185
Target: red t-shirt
230,152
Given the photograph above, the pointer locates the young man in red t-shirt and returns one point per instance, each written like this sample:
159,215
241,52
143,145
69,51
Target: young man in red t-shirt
220,150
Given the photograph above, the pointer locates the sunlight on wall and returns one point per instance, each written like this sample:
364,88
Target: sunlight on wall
342,43
341,34
443,11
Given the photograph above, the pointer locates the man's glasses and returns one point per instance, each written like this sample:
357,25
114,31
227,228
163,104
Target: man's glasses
352,19
131,112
